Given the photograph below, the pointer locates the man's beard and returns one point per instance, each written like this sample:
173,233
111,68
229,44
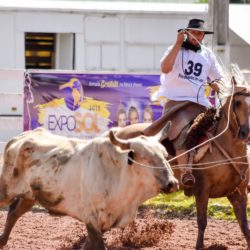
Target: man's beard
187,45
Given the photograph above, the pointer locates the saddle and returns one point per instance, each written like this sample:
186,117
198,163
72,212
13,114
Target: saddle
203,127
184,113
200,119
197,133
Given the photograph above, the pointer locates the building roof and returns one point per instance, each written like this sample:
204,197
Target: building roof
103,6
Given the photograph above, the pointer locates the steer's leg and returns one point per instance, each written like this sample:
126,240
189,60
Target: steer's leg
94,240
201,205
17,208
239,203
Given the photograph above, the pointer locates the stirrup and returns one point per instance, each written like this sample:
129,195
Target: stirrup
188,179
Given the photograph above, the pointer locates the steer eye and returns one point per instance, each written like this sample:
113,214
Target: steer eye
15,172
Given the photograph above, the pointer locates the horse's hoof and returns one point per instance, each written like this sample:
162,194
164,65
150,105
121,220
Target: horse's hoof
188,191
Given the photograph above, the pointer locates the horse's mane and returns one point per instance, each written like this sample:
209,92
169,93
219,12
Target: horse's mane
227,89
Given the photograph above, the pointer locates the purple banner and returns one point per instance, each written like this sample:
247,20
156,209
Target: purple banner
86,105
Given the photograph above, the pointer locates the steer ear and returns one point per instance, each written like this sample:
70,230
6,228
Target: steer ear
25,151
123,144
164,132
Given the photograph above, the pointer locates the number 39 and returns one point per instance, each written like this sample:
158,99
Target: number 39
193,68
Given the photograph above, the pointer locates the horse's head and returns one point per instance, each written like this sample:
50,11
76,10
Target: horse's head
241,108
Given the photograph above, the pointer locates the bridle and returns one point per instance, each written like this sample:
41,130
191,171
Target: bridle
234,106
235,127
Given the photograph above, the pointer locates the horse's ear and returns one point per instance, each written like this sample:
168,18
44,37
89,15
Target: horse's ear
238,88
234,81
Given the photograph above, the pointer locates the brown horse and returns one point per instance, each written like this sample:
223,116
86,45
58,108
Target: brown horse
230,178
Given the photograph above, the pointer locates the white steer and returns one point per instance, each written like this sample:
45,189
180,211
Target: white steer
100,182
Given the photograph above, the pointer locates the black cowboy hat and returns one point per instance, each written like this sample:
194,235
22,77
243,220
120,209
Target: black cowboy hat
197,24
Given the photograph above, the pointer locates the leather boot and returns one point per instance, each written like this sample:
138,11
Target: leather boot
187,179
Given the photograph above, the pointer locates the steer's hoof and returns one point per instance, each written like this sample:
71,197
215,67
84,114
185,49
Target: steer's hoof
88,245
3,241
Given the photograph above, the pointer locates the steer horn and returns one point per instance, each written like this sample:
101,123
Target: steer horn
164,131
118,142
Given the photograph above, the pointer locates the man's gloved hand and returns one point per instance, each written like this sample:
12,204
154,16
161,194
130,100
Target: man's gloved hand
215,86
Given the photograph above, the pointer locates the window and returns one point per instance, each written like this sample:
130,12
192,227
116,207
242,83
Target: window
40,50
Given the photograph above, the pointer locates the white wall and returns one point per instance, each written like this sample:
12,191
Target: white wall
64,48
7,41
239,51
129,42
124,41
11,104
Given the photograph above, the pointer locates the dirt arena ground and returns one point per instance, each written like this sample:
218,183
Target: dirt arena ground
39,230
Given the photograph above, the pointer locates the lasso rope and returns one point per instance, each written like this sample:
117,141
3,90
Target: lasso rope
216,163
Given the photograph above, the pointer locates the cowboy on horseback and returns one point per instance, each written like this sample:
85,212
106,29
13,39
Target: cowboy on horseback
185,67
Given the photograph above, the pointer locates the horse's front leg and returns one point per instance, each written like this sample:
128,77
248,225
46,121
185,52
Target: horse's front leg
239,202
17,208
201,198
